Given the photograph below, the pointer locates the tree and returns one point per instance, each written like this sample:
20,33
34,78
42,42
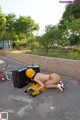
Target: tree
71,22
76,2
9,29
17,29
74,34
51,37
71,10
2,24
26,25
54,33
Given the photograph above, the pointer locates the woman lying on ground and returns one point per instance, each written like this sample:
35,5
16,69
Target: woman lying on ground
48,81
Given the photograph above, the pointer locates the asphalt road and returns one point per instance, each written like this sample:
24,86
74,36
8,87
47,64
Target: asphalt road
52,104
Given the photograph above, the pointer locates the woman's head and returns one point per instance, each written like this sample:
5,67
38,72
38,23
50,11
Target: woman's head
30,73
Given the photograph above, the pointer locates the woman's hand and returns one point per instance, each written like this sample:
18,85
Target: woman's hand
40,87
40,83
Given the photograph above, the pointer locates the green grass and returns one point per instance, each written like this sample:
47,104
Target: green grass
58,52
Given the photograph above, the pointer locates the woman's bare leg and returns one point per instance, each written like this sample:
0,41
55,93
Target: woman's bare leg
59,86
54,82
51,86
53,79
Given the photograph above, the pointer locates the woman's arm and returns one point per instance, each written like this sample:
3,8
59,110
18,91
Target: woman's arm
40,83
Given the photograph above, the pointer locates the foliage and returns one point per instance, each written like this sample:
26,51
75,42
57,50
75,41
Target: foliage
9,29
71,10
13,36
2,24
58,52
12,28
70,23
2,20
26,25
21,31
18,43
51,36
76,2
10,18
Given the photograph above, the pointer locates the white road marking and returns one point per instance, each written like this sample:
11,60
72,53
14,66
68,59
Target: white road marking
6,110
21,111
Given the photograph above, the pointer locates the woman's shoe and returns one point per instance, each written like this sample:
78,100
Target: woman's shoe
61,87
61,83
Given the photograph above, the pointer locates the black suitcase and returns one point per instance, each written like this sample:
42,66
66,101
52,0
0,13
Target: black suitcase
36,67
20,79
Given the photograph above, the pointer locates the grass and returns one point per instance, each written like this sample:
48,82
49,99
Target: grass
58,52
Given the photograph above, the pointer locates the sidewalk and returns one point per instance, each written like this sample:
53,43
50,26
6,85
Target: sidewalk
52,104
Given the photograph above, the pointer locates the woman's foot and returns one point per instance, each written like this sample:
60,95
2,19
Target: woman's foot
61,87
61,83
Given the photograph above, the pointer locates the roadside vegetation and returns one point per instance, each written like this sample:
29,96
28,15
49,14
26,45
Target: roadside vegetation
60,41
56,52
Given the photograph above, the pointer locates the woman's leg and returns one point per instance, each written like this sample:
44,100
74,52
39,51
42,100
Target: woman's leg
53,79
51,86
59,86
54,82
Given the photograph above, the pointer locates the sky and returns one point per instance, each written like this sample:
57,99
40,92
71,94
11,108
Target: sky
44,12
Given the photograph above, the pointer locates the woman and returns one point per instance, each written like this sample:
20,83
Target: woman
48,81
